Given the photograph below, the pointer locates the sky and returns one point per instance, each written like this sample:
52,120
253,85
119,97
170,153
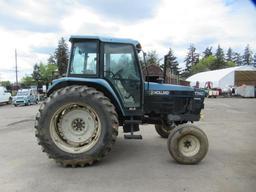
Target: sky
33,27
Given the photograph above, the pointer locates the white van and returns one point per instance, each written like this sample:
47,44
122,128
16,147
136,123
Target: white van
5,97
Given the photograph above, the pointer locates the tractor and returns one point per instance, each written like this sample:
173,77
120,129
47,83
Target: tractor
103,90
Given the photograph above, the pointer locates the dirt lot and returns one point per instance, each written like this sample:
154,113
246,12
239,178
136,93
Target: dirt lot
135,165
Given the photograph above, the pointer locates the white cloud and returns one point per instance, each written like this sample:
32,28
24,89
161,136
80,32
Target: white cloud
24,42
174,24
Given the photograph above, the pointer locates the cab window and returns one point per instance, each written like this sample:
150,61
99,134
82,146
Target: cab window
84,58
121,69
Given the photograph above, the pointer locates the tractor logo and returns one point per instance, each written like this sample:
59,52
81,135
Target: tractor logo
159,93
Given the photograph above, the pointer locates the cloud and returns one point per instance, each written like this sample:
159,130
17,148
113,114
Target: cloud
123,10
34,27
36,16
24,42
44,50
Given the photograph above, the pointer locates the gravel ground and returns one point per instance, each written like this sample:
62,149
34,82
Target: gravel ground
137,165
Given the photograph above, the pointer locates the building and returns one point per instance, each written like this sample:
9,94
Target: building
153,73
224,78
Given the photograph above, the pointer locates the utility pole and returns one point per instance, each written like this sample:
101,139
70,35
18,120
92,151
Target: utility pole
16,67
165,66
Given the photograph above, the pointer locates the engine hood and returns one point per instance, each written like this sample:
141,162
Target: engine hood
151,86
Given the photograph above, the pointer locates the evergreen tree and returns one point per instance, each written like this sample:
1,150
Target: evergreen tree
51,60
190,60
36,73
220,59
247,57
172,63
254,60
152,58
61,56
207,52
230,55
238,59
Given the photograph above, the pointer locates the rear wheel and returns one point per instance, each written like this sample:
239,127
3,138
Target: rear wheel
164,130
187,144
76,126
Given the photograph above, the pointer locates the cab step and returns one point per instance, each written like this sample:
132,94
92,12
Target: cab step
133,136
132,121
134,126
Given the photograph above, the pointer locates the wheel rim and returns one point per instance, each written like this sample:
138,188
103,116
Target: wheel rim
189,145
75,128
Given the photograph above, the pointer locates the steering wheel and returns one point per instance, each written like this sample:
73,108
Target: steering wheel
117,75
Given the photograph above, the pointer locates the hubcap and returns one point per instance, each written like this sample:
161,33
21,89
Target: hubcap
75,128
189,145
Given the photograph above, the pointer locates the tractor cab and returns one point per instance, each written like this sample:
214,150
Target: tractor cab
115,61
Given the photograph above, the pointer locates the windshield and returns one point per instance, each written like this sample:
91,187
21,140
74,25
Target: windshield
22,93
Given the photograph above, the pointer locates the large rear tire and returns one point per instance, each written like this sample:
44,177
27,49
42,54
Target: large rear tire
187,144
164,130
76,126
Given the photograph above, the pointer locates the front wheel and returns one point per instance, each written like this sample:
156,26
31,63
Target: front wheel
76,126
164,130
187,144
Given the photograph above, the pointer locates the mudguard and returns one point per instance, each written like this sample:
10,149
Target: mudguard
99,84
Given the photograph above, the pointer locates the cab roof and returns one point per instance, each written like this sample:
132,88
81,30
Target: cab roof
103,39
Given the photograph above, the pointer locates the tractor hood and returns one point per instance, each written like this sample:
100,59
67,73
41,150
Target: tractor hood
166,89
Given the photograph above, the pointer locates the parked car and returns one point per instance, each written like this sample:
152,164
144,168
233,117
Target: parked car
25,97
5,96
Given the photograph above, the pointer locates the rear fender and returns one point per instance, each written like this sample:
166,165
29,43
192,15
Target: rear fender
99,84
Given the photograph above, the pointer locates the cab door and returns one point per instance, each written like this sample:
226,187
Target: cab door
121,69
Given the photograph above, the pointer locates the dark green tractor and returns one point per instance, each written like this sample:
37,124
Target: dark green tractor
104,88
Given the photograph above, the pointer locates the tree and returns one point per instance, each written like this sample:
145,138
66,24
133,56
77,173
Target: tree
27,81
36,73
238,59
220,59
230,55
247,56
61,56
152,58
51,59
190,60
6,84
204,64
207,52
254,60
47,72
172,63
230,64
